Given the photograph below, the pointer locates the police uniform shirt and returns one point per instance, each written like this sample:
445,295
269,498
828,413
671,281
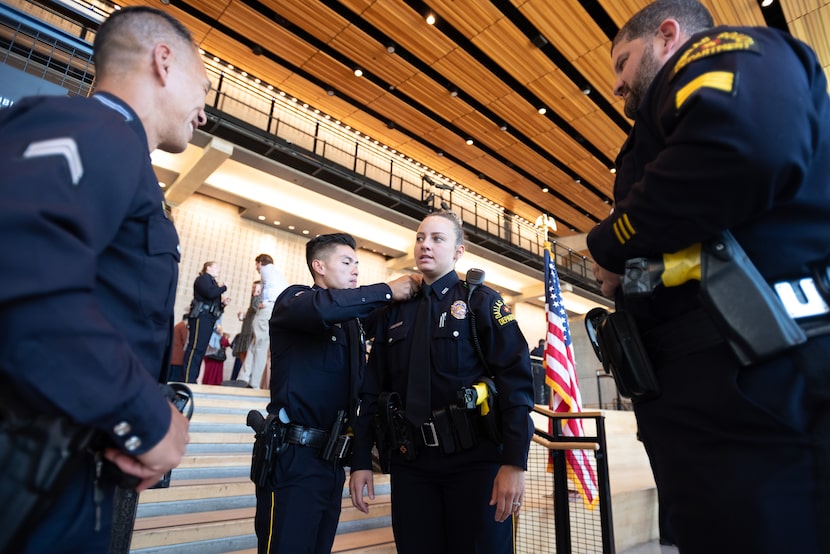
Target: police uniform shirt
310,351
206,289
454,362
733,133
90,266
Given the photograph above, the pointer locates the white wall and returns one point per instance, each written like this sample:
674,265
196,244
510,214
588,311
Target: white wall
211,230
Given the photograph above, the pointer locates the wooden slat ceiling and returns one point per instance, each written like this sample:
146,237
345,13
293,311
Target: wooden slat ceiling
504,58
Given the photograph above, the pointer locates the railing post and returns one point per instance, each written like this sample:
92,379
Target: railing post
218,91
561,506
604,487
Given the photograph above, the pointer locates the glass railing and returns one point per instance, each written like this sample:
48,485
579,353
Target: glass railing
43,44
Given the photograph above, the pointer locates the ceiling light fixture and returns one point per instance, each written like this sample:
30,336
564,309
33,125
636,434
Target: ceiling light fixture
430,19
766,3
542,111
358,72
390,48
470,142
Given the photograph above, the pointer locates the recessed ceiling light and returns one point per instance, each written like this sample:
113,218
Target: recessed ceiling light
261,217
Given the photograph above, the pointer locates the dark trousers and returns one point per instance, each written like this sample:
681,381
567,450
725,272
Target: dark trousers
740,454
440,505
198,336
175,374
299,510
70,524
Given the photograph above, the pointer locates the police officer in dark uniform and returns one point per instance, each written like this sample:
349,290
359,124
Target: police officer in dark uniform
448,497
318,356
732,132
90,267
206,308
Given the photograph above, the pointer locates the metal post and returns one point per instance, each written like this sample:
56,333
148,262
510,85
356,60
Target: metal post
561,506
604,486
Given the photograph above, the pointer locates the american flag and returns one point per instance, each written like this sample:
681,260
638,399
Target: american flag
560,375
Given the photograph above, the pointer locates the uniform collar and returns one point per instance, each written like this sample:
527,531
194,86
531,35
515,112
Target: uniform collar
124,110
445,284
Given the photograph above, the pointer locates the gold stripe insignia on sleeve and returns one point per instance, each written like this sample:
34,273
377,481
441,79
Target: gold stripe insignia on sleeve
718,80
623,229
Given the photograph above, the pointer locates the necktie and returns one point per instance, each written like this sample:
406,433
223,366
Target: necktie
418,401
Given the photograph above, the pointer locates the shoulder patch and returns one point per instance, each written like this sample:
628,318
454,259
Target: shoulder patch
727,41
502,314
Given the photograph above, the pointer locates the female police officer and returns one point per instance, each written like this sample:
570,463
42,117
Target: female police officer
207,306
460,501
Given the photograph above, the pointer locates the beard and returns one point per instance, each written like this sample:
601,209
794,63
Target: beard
649,67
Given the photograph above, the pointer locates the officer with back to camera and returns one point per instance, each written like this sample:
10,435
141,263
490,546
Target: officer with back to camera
90,268
731,132
318,356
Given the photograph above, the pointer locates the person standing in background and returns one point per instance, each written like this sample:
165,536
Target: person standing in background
242,341
87,320
273,283
206,308
176,373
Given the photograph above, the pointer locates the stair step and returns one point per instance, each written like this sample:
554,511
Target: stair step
210,505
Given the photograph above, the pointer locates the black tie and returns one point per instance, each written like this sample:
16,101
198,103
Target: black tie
418,401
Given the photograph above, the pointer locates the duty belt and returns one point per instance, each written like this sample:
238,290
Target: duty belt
306,436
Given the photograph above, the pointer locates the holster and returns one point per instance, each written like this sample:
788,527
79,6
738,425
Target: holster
621,351
392,431
39,454
269,443
338,447
745,308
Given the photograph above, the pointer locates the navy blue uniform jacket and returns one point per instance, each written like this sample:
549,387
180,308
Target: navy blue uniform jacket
454,362
90,265
734,133
311,373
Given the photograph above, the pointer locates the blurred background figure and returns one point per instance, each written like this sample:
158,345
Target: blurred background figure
241,342
176,373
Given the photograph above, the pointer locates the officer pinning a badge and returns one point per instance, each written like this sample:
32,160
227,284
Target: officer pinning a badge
717,255
318,353
447,400
89,278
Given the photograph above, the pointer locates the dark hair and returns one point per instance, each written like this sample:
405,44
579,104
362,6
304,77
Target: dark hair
127,29
264,259
691,14
315,247
451,216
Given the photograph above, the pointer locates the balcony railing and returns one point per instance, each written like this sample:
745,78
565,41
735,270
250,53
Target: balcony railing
284,123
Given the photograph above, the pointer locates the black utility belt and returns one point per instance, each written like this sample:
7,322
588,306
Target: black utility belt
451,429
318,439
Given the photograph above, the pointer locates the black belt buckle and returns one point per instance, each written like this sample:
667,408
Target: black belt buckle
428,434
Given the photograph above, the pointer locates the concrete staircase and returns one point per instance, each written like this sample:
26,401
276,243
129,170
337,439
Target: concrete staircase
209,507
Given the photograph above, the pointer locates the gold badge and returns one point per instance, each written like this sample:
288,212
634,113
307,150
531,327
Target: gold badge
458,309
728,41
